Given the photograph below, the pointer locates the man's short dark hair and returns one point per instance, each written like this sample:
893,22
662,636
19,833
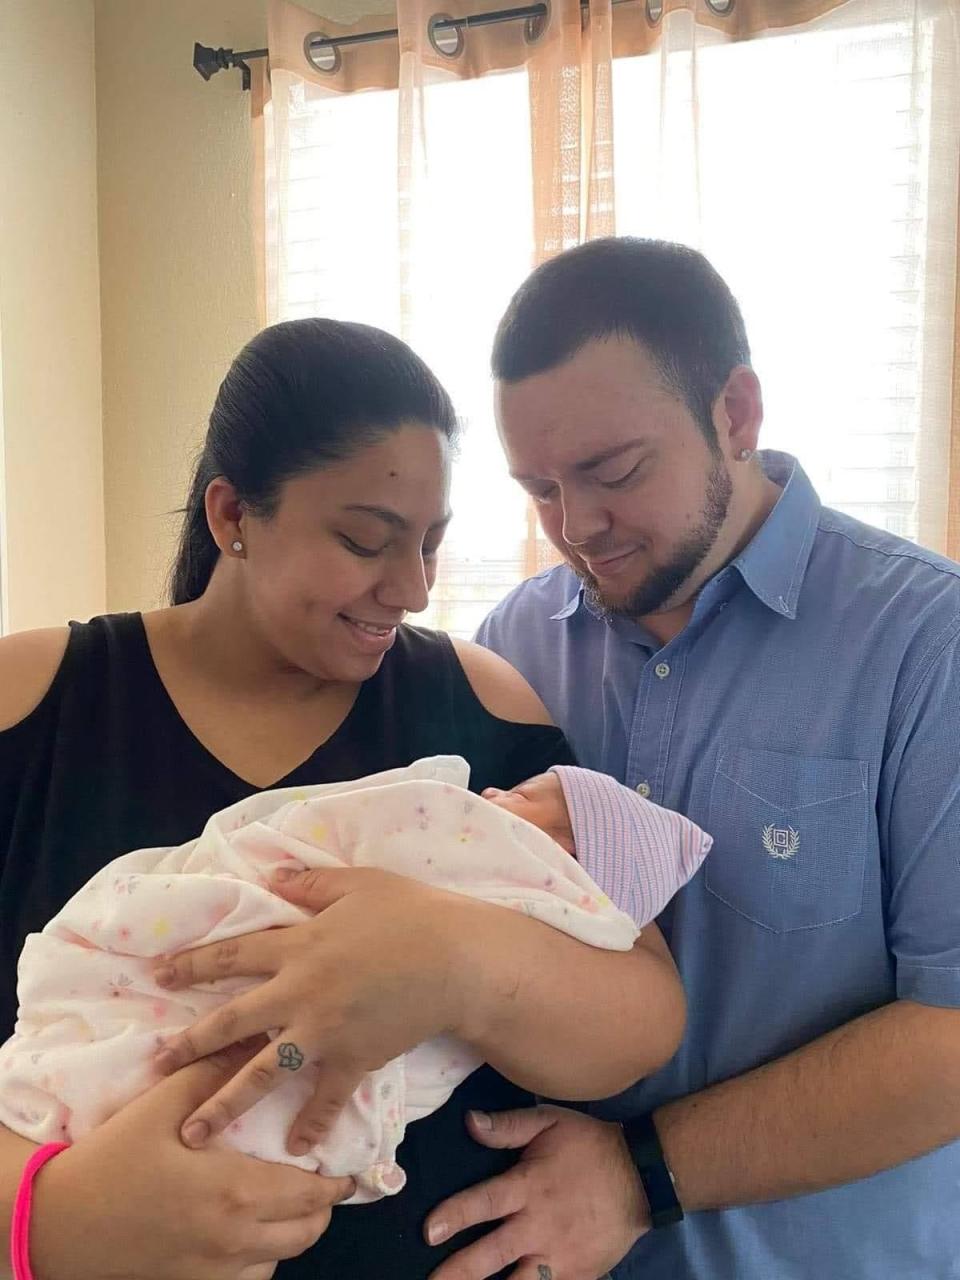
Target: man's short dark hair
664,296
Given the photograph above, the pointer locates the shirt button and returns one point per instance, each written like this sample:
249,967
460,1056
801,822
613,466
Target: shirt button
643,790
662,670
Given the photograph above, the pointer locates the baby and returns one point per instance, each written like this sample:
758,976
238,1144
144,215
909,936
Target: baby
91,1016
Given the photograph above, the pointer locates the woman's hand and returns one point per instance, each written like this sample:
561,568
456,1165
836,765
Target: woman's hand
367,979
130,1202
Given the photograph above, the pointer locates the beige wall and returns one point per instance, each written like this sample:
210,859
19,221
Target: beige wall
53,540
176,261
104,118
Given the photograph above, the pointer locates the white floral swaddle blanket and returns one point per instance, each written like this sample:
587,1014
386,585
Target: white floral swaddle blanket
91,1018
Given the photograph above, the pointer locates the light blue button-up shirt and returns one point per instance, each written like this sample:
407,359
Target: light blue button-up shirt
808,717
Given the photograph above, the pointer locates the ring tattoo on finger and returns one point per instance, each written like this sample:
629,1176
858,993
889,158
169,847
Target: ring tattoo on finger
289,1056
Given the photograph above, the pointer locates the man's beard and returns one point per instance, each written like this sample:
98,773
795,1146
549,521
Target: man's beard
664,582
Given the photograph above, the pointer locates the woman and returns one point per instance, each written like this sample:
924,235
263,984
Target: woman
312,529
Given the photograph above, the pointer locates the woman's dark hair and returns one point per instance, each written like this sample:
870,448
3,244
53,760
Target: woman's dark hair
664,296
300,395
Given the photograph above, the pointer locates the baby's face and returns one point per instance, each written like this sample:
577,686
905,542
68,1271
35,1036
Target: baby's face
539,800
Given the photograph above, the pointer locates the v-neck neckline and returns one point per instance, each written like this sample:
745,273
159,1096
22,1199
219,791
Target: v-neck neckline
236,782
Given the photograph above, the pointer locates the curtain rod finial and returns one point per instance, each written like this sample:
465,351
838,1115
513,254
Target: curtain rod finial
209,61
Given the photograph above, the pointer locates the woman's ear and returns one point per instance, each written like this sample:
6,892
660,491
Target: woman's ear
225,514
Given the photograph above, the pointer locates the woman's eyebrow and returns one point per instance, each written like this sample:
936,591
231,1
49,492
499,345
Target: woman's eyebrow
393,518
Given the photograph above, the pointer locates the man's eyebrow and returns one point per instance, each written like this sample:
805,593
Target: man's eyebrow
588,464
598,459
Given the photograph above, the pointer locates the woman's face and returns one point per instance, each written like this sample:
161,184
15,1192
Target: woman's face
351,550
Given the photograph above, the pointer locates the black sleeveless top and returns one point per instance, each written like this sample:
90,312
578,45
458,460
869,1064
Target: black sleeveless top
105,765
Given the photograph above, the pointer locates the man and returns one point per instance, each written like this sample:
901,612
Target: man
790,680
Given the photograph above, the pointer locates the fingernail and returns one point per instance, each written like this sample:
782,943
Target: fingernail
299,1147
165,976
481,1120
437,1232
196,1133
283,874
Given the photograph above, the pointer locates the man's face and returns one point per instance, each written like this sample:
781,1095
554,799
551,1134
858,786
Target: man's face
628,489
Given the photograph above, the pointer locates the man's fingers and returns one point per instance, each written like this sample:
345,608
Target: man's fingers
536,1269
510,1128
264,1073
486,1257
250,956
335,1087
489,1201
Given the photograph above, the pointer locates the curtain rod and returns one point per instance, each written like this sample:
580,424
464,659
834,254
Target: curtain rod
209,61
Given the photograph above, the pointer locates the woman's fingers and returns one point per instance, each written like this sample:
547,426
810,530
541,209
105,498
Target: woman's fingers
237,1022
289,1199
250,956
336,1085
279,1240
281,1058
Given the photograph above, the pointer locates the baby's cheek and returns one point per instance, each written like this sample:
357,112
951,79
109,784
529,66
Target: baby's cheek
510,804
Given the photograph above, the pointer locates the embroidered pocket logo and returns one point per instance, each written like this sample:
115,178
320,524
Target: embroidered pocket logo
781,842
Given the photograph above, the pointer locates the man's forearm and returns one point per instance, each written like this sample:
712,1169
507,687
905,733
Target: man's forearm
870,1095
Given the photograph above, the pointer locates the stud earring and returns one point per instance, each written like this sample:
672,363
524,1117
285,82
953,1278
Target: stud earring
745,455
237,546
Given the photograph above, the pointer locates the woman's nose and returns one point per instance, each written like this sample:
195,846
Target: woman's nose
406,587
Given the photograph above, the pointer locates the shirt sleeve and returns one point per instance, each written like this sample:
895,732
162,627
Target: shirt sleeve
638,853
919,822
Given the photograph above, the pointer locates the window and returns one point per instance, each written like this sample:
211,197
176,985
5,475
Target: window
814,193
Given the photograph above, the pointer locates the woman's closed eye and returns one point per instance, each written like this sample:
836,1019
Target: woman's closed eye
358,549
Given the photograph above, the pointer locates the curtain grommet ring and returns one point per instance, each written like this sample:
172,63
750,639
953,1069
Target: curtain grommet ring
535,27
325,58
722,8
446,40
654,10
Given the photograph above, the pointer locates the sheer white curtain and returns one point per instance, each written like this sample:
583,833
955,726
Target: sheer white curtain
817,168
815,164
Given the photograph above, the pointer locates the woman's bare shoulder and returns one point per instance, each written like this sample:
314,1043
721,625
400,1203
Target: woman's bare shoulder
29,660
502,690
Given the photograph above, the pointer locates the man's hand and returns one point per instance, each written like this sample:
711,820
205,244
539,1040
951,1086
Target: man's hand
572,1208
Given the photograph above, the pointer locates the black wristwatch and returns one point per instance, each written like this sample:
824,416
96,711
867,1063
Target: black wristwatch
643,1143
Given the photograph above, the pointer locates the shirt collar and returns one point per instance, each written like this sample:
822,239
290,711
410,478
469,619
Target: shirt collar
774,562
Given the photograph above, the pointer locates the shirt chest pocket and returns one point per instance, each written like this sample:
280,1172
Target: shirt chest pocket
790,837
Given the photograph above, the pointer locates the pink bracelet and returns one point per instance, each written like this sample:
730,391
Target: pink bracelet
20,1219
